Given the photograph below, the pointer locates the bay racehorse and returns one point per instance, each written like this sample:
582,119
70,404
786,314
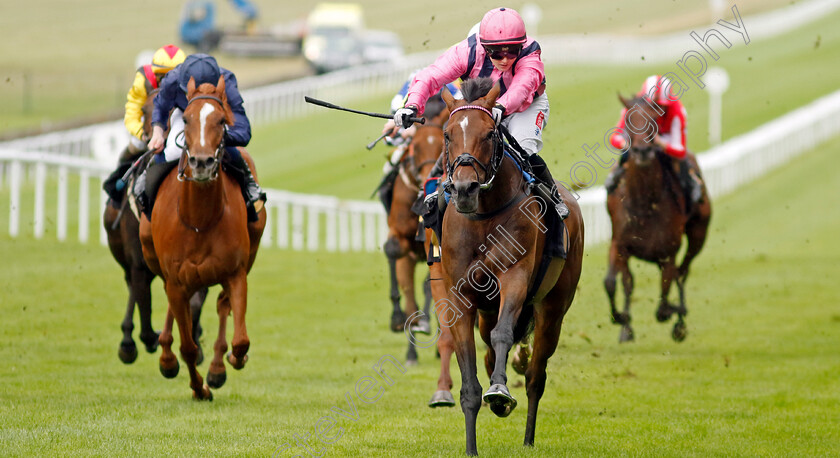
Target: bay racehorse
122,227
649,214
199,236
402,248
492,248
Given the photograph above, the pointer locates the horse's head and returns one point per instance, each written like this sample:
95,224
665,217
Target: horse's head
205,118
472,145
427,143
640,126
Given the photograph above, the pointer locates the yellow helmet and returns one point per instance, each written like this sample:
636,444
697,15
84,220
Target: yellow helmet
167,58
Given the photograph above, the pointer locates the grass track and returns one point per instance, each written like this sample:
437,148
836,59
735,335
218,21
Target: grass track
758,374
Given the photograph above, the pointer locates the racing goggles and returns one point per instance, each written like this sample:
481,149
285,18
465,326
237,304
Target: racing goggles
499,52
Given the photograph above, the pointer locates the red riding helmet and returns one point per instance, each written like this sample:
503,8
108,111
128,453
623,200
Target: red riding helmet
502,26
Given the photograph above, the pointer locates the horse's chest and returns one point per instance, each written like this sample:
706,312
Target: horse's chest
651,235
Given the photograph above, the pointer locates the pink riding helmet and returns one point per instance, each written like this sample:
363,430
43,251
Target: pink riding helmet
502,26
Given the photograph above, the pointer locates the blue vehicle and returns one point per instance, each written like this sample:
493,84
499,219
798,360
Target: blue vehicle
198,23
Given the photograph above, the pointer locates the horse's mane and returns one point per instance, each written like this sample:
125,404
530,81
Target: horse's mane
476,88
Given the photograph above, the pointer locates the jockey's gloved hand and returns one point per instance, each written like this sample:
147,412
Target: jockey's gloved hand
402,118
498,111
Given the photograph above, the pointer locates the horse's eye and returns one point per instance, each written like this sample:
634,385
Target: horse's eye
489,136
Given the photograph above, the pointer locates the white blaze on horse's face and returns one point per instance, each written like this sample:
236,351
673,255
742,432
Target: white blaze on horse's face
205,111
464,123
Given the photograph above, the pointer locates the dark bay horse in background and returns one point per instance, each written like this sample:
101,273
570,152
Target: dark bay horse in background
650,214
123,229
199,236
401,247
492,251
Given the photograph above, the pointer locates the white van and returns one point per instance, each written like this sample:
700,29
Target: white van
334,37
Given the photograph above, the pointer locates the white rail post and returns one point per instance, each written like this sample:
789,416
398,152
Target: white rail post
282,224
84,204
717,81
14,204
343,230
40,189
356,231
268,235
370,232
61,220
332,230
297,227
313,229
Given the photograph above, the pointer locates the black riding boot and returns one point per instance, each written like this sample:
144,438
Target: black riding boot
386,189
690,185
612,180
546,187
251,190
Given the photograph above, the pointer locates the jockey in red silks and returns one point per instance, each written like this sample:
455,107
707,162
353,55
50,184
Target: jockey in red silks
502,51
670,136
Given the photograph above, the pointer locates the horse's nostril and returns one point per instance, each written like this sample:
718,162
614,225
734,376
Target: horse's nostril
473,187
192,161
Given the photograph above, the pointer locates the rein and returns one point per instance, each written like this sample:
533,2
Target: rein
185,152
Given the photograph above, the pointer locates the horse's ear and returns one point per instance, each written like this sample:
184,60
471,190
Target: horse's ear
623,101
492,95
191,88
222,94
447,98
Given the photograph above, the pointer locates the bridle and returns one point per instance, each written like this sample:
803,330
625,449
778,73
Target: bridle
467,159
185,152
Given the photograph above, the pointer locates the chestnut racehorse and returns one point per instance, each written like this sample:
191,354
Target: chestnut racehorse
492,249
123,229
650,214
199,236
401,247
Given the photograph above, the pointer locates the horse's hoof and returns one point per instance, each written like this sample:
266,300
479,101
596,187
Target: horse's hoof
398,321
442,398
411,363
500,400
621,318
679,332
422,326
664,312
237,363
127,353
205,395
151,344
216,380
626,334
519,362
171,372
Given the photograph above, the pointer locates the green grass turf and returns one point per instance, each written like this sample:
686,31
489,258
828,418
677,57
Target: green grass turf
768,79
75,60
758,374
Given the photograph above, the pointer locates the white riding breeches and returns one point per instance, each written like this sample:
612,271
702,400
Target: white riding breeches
172,150
527,126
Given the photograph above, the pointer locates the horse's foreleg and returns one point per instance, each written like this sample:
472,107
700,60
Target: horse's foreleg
486,323
462,334
179,305
168,361
392,251
610,282
405,277
216,375
128,350
546,334
619,261
237,289
446,346
514,288
669,274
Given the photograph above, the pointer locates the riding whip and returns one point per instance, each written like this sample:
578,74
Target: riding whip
366,113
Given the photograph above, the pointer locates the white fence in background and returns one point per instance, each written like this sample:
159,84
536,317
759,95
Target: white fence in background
285,100
307,222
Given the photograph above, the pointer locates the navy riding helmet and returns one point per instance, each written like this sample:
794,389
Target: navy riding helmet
202,67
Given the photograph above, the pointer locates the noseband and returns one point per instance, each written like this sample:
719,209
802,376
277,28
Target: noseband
185,152
467,159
